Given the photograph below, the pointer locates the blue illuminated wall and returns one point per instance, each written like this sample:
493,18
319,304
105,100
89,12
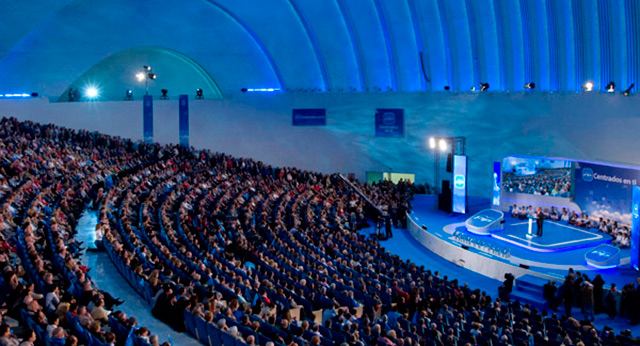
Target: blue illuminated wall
332,46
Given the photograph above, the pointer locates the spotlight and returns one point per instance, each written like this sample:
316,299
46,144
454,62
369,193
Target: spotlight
484,86
628,91
432,143
129,96
91,92
587,86
530,85
164,94
611,87
140,76
473,89
199,94
442,144
152,76
148,68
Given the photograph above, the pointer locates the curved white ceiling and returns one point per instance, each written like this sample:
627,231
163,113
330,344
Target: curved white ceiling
334,45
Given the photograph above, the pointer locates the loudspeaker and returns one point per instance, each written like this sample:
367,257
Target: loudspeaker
450,163
444,199
465,247
524,266
424,227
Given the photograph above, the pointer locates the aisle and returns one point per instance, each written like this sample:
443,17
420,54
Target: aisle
105,275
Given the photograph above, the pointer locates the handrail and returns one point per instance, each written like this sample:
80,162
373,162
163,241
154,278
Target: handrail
359,192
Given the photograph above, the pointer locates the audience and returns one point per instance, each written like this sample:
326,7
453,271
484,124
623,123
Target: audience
255,251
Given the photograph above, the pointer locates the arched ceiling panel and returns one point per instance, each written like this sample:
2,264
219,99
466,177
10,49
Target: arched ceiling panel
488,53
404,49
67,45
434,55
370,37
460,44
334,45
283,34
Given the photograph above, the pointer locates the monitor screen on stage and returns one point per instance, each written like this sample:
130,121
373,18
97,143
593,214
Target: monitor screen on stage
536,176
635,228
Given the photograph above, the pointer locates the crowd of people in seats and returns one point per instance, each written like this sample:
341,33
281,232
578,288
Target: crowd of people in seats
261,255
47,175
546,182
619,232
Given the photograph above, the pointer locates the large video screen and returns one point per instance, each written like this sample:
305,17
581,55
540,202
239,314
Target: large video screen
536,176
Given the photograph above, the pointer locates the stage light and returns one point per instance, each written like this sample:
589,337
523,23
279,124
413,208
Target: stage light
442,144
473,89
148,68
447,88
628,91
244,90
611,87
91,92
530,85
432,143
199,95
152,76
164,94
140,76
484,86
129,95
587,86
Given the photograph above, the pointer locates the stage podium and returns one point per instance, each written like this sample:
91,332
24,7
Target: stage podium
485,221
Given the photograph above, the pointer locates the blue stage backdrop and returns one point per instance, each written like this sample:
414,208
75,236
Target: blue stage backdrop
495,201
459,184
309,117
635,229
389,122
605,191
183,121
147,118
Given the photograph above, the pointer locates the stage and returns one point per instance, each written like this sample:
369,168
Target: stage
561,247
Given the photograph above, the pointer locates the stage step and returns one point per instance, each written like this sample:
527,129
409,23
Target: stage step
534,299
532,283
529,289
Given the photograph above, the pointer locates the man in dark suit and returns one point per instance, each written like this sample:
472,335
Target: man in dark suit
539,221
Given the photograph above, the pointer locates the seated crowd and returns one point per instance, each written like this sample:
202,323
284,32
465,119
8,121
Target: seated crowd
233,251
47,175
620,233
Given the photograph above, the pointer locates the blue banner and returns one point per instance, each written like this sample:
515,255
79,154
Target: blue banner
309,117
183,121
605,191
635,228
459,184
495,200
389,122
147,118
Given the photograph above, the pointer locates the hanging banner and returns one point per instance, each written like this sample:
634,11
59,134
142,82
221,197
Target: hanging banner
183,120
389,122
147,118
309,117
459,199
